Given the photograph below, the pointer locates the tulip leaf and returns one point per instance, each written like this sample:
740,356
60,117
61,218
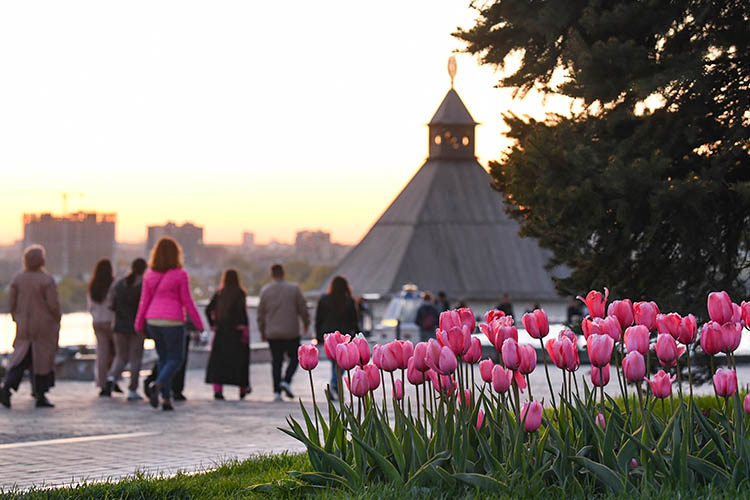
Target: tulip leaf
706,469
428,469
321,479
389,471
605,475
480,481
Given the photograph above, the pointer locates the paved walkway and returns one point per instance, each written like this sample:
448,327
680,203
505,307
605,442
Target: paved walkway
90,438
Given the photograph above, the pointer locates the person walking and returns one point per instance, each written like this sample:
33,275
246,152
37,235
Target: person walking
35,308
99,298
229,360
128,344
279,311
165,298
336,311
427,318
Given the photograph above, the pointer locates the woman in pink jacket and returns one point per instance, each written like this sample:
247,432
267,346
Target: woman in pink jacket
165,298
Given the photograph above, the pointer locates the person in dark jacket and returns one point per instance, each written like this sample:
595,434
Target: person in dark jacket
336,311
128,343
229,360
427,318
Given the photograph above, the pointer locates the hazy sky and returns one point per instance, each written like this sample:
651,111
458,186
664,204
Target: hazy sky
236,115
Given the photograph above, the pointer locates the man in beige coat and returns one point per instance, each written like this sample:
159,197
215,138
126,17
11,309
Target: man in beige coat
281,307
36,310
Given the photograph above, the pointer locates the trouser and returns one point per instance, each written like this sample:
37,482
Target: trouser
40,383
104,345
278,349
170,346
128,350
178,381
334,377
219,389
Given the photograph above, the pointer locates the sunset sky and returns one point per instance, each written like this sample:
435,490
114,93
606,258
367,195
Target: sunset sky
237,115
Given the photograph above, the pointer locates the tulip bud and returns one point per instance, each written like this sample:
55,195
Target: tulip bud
494,314
600,349
667,350
308,356
623,311
420,357
634,367
720,307
661,384
745,314
485,370
746,404
645,314
528,359
474,353
511,355
364,349
609,326
536,323
731,335
480,419
595,302
501,379
360,384
347,356
725,382
531,416
448,362
398,389
711,340
637,339
331,340
600,422
414,376
600,376
687,331
668,323
373,376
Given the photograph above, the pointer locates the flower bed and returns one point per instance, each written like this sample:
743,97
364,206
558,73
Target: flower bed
458,431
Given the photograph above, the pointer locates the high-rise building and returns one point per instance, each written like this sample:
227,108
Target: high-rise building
313,245
248,241
188,235
74,242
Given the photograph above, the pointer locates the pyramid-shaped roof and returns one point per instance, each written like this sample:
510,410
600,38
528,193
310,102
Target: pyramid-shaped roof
452,111
447,230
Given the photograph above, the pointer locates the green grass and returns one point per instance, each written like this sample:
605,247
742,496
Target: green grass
233,479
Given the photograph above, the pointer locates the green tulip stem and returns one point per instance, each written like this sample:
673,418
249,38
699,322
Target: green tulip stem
393,394
382,384
601,388
713,372
663,410
679,378
648,368
339,385
546,371
424,401
528,384
640,403
418,414
315,404
351,396
690,373
575,381
517,398
625,382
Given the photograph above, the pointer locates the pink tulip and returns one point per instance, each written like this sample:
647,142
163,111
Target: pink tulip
432,359
725,382
391,357
447,363
360,384
501,379
609,326
488,332
485,370
489,316
373,376
480,419
567,332
520,380
600,349
467,319
633,463
474,353
590,327
404,349
720,307
600,422
667,350
688,330
745,313
634,366
661,384
623,311
731,335
414,376
711,339
420,357
465,398
528,359
600,376
347,356
531,416
511,355
377,355
453,338
637,339
331,340
364,350
645,314
595,302
398,389
668,323
505,330
736,313
746,404
448,320
563,353
442,383
308,356
536,323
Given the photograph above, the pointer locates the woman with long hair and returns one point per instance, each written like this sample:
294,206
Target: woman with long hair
165,298
336,311
229,360
99,298
128,343
36,310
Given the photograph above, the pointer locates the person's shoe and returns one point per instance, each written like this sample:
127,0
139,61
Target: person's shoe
245,391
106,389
287,390
5,397
134,396
147,388
43,402
153,398
178,396
277,397
218,396
167,405
116,388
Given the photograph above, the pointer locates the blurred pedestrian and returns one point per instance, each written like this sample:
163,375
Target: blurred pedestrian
336,311
229,361
165,298
427,318
35,308
442,303
99,298
128,343
506,305
279,312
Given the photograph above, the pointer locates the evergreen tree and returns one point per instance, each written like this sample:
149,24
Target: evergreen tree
653,203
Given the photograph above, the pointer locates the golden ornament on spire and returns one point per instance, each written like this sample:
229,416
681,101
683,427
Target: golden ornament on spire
452,67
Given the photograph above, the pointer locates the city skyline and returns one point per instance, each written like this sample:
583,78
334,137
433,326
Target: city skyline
181,111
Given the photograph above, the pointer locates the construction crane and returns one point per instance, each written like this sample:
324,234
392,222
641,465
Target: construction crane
65,196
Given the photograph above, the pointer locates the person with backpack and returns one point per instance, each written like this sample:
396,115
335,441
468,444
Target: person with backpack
427,318
128,343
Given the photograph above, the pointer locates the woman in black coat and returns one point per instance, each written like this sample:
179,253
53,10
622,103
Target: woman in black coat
229,361
336,312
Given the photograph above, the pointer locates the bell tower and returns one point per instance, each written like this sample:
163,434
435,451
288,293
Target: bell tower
451,129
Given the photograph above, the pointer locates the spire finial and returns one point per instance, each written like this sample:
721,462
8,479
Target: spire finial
452,68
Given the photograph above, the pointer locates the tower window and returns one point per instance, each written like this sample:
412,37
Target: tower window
465,140
438,139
